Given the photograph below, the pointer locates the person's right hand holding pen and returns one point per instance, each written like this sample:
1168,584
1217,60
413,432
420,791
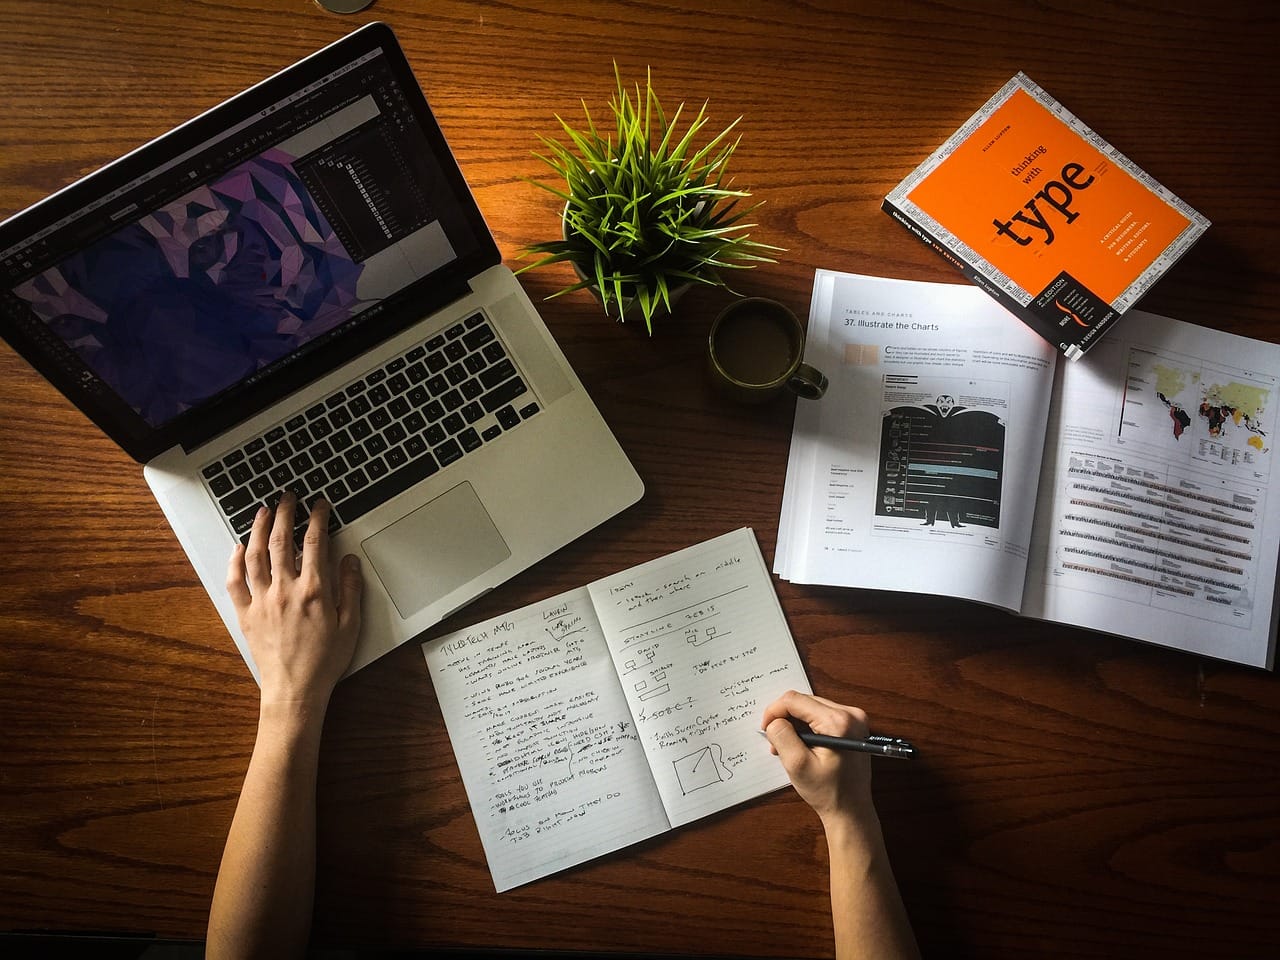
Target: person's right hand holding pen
866,908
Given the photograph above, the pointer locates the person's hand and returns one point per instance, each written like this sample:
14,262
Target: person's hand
300,620
836,783
868,917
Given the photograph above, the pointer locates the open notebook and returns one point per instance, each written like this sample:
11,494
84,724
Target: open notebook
620,710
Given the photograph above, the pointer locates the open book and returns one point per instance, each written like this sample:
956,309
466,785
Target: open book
1129,493
619,710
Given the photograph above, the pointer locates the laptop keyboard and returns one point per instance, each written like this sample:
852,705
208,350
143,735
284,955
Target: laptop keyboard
401,422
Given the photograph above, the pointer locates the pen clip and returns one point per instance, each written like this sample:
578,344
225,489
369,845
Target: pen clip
887,741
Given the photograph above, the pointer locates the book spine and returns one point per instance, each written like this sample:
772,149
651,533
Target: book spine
1037,323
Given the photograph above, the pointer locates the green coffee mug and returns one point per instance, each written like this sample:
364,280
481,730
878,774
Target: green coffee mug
755,351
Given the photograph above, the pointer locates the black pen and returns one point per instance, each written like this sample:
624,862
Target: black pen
878,745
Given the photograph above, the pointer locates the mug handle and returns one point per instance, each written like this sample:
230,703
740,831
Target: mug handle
808,382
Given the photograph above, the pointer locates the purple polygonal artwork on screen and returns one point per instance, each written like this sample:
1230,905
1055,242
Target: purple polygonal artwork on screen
193,297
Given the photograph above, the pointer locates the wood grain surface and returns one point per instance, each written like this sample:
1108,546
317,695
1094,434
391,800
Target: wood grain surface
1078,795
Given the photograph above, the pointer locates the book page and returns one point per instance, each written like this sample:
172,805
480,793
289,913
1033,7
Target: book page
548,752
1158,517
701,647
916,471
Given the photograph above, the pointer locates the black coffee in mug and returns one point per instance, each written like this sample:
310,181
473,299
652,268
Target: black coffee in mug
755,349
758,347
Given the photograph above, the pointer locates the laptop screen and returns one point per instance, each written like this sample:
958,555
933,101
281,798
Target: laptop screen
244,247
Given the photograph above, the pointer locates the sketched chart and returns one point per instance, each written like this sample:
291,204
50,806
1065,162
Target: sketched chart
698,615
702,768
697,636
701,632
642,659
655,686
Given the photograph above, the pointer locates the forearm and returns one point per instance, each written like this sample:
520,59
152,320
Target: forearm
867,912
263,897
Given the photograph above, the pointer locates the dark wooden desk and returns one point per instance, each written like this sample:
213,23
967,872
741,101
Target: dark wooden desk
1080,795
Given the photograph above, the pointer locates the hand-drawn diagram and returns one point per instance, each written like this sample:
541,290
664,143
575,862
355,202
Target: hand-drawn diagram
644,691
655,628
697,636
702,768
643,657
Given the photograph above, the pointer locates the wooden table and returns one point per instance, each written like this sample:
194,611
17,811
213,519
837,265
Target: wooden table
1080,795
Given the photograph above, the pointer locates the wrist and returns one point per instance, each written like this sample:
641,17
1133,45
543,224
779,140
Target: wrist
294,722
856,832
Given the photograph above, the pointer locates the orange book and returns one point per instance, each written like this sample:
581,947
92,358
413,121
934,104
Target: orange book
1046,216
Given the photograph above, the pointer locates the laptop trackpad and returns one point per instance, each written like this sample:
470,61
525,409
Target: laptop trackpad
436,549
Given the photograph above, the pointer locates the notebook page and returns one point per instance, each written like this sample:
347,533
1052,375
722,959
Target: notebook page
548,753
701,646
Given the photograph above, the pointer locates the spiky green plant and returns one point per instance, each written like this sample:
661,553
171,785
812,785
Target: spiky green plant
645,210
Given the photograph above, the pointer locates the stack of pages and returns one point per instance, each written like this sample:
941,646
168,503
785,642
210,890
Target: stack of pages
953,454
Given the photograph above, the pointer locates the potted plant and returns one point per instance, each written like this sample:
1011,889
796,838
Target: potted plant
647,213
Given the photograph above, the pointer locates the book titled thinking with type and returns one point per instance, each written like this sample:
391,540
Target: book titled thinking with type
1045,216
615,712
955,454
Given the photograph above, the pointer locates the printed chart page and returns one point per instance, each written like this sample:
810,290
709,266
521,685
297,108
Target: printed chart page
917,470
548,752
1158,515
701,646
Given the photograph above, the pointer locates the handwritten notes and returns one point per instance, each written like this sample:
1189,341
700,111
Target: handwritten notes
700,646
614,712
548,751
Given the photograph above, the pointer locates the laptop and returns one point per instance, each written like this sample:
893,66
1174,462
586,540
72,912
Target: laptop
297,290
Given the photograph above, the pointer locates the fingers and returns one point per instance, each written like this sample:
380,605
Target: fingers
820,714
801,706
257,562
271,554
284,555
785,742
350,589
840,720
315,543
237,587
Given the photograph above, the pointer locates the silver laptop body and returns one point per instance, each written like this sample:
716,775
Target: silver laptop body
297,290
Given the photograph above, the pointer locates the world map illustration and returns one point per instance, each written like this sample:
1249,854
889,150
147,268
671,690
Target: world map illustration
1225,410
